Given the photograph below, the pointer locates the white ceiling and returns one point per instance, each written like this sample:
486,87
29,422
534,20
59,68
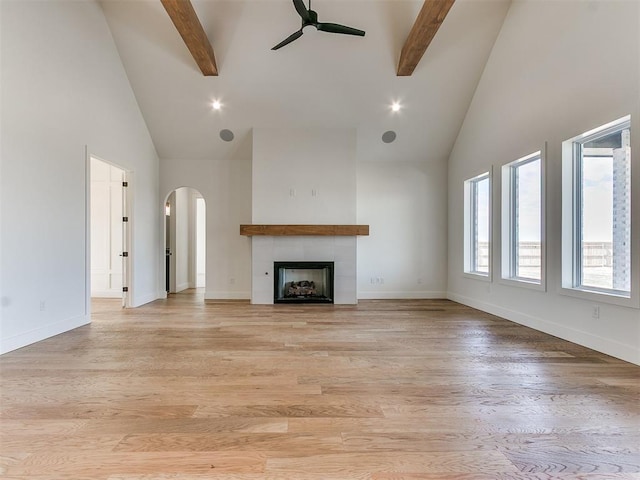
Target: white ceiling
320,80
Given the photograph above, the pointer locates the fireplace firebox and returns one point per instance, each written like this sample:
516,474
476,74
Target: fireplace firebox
303,282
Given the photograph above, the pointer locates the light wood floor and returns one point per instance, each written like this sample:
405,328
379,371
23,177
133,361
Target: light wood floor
386,390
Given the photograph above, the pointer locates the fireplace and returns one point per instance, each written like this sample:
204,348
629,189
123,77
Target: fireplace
267,250
303,282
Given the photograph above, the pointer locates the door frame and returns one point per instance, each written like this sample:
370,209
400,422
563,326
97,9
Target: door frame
169,229
127,264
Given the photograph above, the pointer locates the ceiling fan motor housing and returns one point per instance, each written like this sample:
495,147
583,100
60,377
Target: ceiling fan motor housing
313,19
310,18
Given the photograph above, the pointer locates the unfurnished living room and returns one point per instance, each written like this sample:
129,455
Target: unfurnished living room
319,239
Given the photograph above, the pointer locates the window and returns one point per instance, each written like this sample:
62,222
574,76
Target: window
597,210
477,229
522,220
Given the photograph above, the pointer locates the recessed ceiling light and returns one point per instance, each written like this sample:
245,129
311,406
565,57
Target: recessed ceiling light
216,105
395,107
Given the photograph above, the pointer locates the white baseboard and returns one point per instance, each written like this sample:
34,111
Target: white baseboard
107,294
213,295
374,295
604,345
182,286
42,333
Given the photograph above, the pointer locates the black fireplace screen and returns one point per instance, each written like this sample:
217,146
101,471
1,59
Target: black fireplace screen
303,282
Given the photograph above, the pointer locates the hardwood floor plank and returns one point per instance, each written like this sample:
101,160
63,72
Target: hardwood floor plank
39,427
555,459
628,432
257,442
86,410
245,476
9,459
288,410
188,426
112,463
62,443
505,476
395,462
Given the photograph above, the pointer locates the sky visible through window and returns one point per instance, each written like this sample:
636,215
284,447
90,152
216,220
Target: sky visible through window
528,188
482,226
482,192
597,199
597,221
528,262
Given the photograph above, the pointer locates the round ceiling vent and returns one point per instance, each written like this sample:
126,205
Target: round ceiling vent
226,135
388,136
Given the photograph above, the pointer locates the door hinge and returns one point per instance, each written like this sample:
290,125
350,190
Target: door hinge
125,219
125,254
125,184
125,289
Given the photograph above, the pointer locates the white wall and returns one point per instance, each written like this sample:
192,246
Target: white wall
201,242
63,87
405,205
181,248
304,176
171,230
225,185
558,69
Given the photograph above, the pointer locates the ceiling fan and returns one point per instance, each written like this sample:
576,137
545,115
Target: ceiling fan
310,18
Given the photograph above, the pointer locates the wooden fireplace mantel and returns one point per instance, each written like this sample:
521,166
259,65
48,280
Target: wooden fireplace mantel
304,230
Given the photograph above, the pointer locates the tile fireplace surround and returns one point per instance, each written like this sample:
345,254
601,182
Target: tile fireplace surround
304,243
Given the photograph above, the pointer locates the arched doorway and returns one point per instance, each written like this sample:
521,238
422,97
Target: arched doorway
185,240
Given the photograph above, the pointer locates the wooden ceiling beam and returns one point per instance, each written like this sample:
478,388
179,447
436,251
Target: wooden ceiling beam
424,29
186,21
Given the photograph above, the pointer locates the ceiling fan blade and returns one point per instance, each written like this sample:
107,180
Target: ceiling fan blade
335,28
288,40
302,10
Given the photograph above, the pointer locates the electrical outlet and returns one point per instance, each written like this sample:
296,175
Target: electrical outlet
43,305
232,281
595,313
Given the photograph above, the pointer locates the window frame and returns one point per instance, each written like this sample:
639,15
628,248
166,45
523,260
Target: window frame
470,227
509,246
571,281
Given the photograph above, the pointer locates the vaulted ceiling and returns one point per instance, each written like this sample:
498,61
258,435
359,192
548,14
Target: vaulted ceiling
321,80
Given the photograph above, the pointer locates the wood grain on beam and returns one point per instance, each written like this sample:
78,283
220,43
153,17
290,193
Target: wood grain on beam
304,230
186,21
424,29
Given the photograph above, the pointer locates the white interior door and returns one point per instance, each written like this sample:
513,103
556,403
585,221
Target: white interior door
107,232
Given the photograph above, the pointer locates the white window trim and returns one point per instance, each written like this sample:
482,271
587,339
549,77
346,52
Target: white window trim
468,228
507,225
571,203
